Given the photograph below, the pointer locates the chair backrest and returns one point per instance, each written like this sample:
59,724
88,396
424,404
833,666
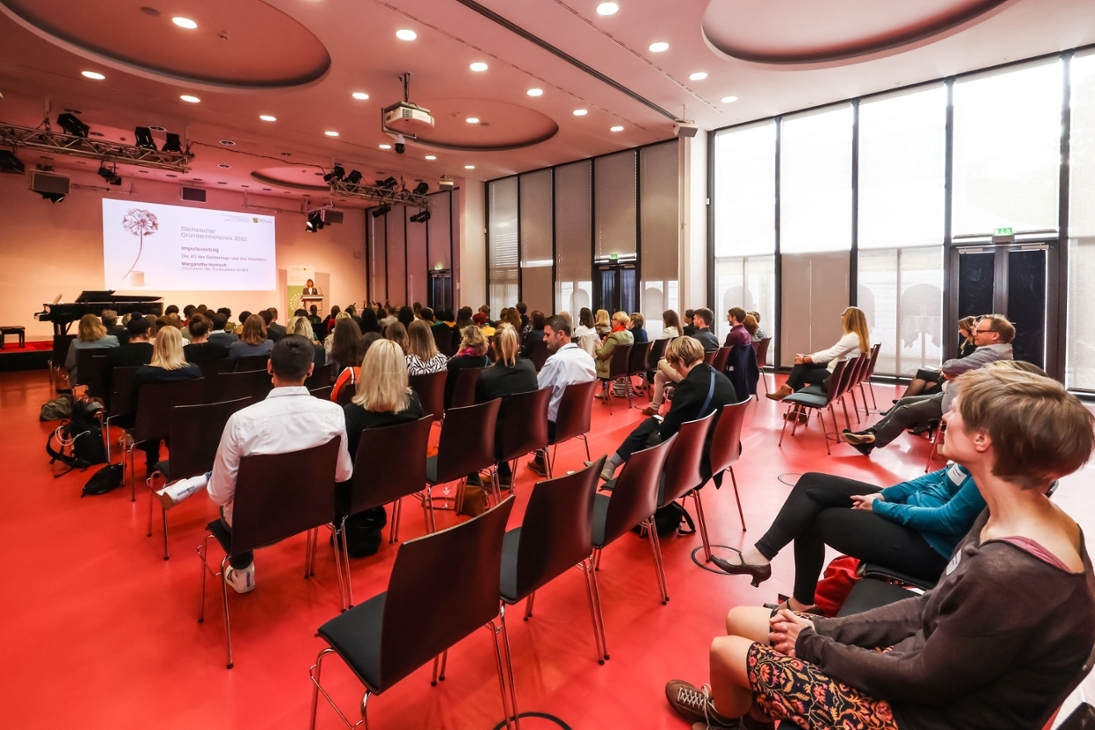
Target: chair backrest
91,371
726,441
232,386
539,355
762,352
347,392
524,428
251,362
874,359
61,343
121,390
281,495
196,433
155,402
557,529
684,464
635,496
431,392
722,358
321,375
637,360
467,440
657,352
210,368
463,391
442,339
390,463
837,384
323,393
443,587
575,410
619,365
709,356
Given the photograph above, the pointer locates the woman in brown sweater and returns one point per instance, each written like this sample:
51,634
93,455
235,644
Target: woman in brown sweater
999,642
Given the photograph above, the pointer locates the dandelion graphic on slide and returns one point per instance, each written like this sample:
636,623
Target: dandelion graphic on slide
140,223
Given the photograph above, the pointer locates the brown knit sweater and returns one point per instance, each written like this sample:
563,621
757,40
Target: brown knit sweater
998,643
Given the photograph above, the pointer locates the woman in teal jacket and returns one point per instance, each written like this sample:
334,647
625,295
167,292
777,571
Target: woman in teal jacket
912,527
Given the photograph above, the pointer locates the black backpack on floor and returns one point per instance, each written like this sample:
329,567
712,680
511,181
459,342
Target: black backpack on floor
668,520
79,440
364,532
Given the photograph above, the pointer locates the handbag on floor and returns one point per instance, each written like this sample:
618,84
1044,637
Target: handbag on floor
364,532
838,581
107,479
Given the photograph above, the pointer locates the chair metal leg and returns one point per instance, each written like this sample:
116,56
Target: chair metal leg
132,477
528,605
203,551
397,512
847,421
600,620
824,429
784,429
656,552
795,410
588,570
597,558
628,385
493,628
314,674
346,564
166,554
586,441
734,481
227,620
870,389
701,523
339,555
509,670
151,499
855,405
307,554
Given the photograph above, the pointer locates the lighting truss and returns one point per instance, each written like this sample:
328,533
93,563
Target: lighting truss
379,195
54,143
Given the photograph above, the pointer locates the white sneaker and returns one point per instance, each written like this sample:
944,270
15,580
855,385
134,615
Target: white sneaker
241,581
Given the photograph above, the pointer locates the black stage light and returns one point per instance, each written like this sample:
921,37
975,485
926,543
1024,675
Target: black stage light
172,144
53,197
381,210
354,178
422,188
11,164
111,176
421,217
144,138
72,125
336,173
315,221
387,183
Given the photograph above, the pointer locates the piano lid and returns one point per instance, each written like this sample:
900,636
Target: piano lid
107,295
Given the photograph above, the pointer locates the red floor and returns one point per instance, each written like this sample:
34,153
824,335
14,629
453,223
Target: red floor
101,632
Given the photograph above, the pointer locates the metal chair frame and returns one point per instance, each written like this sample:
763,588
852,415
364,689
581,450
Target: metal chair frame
618,368
832,393
578,399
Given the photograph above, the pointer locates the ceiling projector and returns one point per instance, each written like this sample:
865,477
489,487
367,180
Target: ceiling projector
406,116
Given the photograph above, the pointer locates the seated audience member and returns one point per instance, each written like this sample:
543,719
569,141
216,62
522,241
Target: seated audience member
637,328
171,309
509,375
569,320
422,355
485,309
930,380
168,365
535,333
602,323
671,325
759,334
405,316
522,308
568,364
751,326
426,315
329,340
389,317
382,397
472,353
397,333
187,313
815,369
252,341
1001,639
313,315
513,318
666,373
446,319
689,322
244,316
369,322
303,326
349,376
700,391
738,335
136,351
619,335
110,324
585,335
289,419
345,345
274,331
200,348
994,334
481,322
91,335
328,323
218,331
703,320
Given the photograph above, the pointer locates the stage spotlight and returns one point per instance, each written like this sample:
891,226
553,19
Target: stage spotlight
422,188
388,183
53,197
72,125
336,173
421,217
381,210
11,164
144,138
172,144
109,175
315,221
354,178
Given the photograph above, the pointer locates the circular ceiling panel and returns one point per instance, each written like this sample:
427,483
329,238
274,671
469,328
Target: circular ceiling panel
821,32
243,44
498,126
297,177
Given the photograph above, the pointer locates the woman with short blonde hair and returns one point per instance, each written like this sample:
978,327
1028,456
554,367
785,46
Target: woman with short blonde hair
168,365
167,350
601,323
472,353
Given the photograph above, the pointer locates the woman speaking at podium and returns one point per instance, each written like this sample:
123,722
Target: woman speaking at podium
310,289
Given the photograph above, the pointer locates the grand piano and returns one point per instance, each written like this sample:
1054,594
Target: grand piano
96,302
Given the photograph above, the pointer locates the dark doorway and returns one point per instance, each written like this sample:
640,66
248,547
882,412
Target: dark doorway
441,290
616,287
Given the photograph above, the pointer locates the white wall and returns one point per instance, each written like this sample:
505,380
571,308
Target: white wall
473,246
694,223
48,249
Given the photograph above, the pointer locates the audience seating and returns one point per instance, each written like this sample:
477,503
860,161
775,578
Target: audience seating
232,386
442,339
637,364
722,359
155,402
390,464
466,447
346,393
555,535
937,438
277,496
443,587
463,390
819,400
657,352
211,368
322,375
430,388
573,418
195,433
539,355
618,368
709,357
761,348
868,375
323,393
90,371
56,362
251,362
120,403
724,452
524,427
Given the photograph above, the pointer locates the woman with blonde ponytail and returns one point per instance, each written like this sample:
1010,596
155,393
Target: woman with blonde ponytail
509,375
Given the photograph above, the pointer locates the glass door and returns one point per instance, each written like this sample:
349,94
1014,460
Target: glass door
616,287
441,290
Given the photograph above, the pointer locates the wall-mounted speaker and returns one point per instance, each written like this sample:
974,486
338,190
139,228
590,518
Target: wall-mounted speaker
48,182
332,216
194,195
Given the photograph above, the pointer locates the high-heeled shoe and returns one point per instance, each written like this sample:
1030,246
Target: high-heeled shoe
760,573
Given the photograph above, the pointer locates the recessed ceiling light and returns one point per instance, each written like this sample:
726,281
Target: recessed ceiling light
184,22
698,76
472,120
607,9
469,167
223,166
228,143
535,92
385,146
617,128
431,157
478,66
331,133
405,35
728,99
659,47
360,95
580,112
267,118
157,128
93,75
190,98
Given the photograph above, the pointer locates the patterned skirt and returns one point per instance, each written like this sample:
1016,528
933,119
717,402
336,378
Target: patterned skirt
790,689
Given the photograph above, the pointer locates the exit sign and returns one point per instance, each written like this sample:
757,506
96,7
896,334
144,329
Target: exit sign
1003,232
613,256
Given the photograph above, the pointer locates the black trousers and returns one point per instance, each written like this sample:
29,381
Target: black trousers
644,435
807,372
239,561
818,513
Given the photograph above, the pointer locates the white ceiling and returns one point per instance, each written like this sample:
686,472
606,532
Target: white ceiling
365,55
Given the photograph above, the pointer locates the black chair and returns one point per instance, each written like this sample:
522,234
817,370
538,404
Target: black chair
523,426
277,496
637,363
722,359
390,464
152,422
633,502
431,392
322,375
709,357
539,355
323,393
723,453
463,389
195,433
443,587
573,417
868,375
618,368
90,371
58,355
346,393
466,446
657,353
556,534
211,368
819,399
251,362
442,338
120,402
255,384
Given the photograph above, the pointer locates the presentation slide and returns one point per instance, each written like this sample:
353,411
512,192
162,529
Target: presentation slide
175,248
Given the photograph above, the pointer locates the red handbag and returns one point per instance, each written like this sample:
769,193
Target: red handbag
835,585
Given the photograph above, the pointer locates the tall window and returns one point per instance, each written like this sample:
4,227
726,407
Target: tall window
502,250
659,195
573,238
536,235
1080,357
816,181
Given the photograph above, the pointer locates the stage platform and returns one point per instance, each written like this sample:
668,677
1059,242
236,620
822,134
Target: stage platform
34,356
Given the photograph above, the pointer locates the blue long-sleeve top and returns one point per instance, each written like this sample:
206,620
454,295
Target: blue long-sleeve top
942,506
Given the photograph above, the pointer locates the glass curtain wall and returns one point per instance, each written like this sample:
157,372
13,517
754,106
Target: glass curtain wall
536,240
659,206
573,237
502,248
1080,356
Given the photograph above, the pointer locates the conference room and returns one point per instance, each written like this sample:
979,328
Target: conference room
620,298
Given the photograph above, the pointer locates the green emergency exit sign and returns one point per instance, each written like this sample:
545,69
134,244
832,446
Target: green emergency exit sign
1003,232
613,256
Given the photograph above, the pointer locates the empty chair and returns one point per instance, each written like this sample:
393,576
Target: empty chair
120,400
195,434
322,375
761,347
820,401
709,357
539,355
573,418
430,388
256,384
251,362
277,496
555,535
638,362
723,453
466,446
153,417
524,427
90,365
442,339
618,368
463,389
390,464
443,587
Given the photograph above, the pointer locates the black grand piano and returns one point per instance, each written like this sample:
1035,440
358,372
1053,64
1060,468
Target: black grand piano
95,302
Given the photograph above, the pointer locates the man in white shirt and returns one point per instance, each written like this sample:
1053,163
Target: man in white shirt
567,365
290,419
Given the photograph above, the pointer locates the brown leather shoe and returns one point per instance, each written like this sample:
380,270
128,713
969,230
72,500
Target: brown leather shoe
650,411
783,392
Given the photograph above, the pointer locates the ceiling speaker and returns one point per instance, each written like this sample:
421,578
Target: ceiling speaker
194,195
332,216
48,182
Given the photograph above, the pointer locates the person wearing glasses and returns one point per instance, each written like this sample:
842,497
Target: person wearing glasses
993,335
